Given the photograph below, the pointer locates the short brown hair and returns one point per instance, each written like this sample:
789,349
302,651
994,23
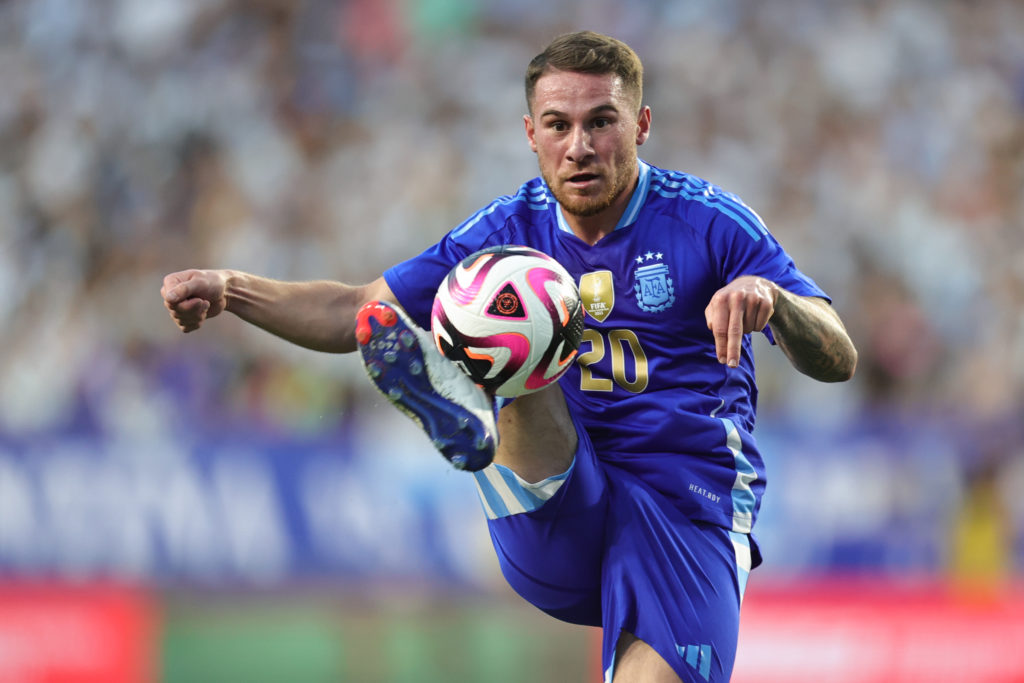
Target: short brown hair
588,52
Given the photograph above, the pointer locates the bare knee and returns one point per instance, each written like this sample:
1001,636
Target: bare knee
537,436
638,662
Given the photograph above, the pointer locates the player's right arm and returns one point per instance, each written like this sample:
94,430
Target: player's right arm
318,315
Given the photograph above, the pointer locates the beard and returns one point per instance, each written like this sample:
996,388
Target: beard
591,205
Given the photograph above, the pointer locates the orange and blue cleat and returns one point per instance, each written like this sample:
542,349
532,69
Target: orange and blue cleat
406,367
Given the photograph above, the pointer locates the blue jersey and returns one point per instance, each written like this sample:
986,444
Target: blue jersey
647,386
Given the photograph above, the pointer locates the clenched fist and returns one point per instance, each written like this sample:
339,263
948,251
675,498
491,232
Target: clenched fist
192,296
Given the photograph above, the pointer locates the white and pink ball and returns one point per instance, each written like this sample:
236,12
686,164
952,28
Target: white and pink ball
510,317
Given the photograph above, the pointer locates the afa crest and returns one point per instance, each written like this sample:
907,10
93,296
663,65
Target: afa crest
654,289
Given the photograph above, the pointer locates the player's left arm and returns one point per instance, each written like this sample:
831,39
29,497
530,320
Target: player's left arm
806,328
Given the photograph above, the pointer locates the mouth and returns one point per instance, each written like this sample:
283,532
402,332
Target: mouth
582,179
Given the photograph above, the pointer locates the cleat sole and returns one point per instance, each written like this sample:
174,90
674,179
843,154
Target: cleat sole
396,365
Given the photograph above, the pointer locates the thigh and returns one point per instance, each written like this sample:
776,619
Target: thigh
550,551
635,660
674,583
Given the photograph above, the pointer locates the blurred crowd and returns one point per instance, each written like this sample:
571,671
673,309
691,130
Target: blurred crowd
882,141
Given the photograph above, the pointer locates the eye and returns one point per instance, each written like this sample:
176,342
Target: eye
559,126
602,123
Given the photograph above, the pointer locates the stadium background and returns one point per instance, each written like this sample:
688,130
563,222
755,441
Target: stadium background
221,506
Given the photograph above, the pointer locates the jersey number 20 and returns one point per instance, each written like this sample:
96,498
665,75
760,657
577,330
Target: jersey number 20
617,343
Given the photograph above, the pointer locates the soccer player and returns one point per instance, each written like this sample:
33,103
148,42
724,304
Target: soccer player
624,496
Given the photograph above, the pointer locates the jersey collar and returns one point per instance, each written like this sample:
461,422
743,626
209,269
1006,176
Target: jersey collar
632,211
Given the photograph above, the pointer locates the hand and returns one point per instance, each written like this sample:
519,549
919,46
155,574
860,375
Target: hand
192,296
743,306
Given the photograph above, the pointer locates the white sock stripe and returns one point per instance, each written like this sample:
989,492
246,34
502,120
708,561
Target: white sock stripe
488,510
504,493
543,489
494,506
500,486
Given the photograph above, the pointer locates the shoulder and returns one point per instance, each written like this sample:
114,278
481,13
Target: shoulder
704,206
531,202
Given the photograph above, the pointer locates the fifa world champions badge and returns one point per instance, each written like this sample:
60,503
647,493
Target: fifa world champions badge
598,294
653,286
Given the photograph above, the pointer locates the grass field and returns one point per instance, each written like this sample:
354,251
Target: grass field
320,638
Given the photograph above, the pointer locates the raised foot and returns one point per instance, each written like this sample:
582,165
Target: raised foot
406,367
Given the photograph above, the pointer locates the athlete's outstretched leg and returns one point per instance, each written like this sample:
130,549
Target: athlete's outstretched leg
538,437
544,494
545,497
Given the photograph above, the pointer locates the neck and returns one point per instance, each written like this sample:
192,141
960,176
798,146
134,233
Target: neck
591,229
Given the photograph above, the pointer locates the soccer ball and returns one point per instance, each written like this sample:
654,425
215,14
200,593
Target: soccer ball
510,317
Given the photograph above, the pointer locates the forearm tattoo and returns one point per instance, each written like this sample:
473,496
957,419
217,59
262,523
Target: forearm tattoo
814,340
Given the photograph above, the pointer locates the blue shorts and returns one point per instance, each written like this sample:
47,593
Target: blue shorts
607,550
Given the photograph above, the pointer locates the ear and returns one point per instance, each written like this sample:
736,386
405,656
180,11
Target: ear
643,125
530,131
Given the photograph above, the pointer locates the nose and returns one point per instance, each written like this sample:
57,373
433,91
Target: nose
580,147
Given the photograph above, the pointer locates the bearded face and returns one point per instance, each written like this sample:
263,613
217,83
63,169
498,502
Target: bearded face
585,131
